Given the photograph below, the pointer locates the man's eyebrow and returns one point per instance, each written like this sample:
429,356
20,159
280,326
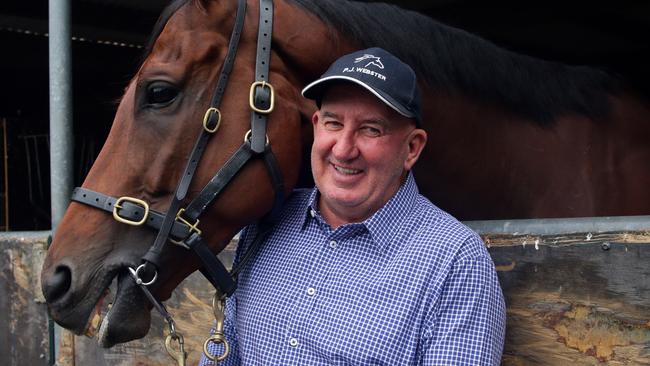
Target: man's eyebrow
377,121
330,114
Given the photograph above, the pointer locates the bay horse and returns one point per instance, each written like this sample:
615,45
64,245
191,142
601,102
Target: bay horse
510,136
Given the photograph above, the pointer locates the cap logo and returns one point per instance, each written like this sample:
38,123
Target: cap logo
374,60
370,61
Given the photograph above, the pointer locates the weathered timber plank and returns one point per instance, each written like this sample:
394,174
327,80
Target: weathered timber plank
501,240
576,304
23,314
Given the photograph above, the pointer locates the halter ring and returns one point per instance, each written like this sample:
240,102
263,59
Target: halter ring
216,339
247,137
135,273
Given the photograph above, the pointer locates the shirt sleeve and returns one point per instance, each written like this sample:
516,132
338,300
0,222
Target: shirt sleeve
468,325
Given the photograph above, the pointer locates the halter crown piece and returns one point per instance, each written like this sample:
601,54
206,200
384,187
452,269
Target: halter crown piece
180,225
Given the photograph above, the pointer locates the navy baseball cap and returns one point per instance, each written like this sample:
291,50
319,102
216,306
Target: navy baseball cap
378,71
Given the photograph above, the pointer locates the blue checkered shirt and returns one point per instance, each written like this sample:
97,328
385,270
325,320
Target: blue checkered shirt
408,286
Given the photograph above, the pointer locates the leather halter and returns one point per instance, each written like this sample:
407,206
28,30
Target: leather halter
181,223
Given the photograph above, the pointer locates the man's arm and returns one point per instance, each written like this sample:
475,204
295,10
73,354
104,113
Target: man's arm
468,325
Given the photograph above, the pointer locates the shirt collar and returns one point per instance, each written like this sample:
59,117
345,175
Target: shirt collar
383,224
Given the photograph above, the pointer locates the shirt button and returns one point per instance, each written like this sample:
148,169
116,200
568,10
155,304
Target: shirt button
333,244
312,213
293,342
311,291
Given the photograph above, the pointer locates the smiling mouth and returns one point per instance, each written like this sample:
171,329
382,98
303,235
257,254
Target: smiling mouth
346,171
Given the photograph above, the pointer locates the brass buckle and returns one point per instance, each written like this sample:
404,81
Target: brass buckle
206,118
247,136
251,97
136,201
193,227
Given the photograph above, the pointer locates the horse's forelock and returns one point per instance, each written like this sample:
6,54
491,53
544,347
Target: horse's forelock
160,25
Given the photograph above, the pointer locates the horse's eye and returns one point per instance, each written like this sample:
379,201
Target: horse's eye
160,94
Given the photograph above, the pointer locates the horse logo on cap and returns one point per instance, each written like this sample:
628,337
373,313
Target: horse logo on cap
374,60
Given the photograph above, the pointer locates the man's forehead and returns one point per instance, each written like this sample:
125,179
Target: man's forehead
350,95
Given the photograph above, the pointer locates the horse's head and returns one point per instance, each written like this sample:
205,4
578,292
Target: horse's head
153,133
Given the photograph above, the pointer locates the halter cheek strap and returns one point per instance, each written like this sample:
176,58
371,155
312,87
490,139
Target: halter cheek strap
182,224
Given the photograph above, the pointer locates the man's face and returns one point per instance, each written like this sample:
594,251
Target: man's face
362,150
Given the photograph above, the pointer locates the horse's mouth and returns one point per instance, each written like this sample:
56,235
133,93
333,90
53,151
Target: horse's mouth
121,313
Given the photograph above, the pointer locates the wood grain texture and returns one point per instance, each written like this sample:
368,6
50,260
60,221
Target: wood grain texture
583,303
23,313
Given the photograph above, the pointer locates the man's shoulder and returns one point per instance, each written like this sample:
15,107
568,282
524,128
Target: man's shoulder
431,218
442,232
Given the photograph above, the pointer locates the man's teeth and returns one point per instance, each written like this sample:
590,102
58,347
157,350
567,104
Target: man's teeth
343,170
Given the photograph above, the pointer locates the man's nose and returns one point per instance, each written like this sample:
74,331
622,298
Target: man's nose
345,147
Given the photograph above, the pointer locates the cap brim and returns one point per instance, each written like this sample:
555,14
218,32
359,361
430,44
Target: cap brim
315,91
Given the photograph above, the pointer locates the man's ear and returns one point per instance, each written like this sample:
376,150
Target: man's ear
315,118
416,141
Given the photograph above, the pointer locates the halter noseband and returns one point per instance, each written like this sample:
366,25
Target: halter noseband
182,223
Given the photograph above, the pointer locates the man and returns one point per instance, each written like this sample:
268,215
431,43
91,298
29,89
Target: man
362,270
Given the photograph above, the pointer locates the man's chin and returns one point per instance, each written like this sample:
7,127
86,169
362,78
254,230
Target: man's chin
345,208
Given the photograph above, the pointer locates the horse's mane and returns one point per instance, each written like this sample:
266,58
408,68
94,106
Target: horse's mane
456,62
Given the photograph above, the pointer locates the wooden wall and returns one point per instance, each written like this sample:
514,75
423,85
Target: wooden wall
23,314
572,300
577,301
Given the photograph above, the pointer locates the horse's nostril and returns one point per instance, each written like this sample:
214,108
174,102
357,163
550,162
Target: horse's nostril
57,285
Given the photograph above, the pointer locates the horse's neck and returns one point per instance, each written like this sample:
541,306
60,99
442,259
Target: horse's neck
305,43
306,47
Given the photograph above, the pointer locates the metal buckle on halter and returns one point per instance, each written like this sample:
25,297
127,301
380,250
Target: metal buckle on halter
193,227
136,201
251,97
208,115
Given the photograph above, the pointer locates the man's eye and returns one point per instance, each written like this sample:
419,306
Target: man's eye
372,131
332,125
